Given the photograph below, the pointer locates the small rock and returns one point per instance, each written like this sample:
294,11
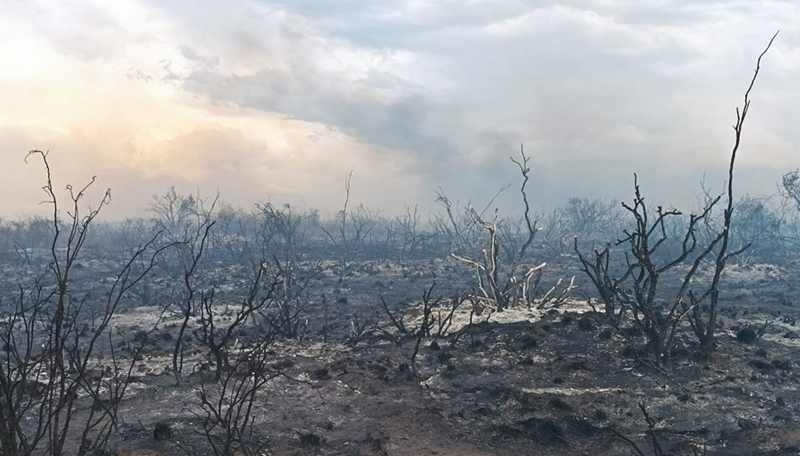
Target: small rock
747,424
600,415
559,404
783,364
760,364
320,374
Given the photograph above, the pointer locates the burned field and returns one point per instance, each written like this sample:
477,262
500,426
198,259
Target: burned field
219,331
356,373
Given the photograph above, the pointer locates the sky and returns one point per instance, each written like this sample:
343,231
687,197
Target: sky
280,100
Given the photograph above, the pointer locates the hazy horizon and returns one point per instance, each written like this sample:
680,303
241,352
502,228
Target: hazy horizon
278,101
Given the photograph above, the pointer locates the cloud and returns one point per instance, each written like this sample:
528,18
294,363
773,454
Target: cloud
395,122
281,99
191,54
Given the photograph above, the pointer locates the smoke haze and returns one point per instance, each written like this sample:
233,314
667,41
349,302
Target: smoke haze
280,100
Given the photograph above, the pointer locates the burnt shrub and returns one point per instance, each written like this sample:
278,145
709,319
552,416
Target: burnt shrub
162,431
586,324
559,404
747,335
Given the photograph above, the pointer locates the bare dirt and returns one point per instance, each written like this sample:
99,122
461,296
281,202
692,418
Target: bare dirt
522,382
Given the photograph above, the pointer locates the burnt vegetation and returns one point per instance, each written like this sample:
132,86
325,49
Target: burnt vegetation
598,328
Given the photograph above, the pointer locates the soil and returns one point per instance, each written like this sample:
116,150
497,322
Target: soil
518,382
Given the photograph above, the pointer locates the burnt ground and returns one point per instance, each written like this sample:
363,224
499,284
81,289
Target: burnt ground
520,382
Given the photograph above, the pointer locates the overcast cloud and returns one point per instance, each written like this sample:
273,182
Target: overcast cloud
281,99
